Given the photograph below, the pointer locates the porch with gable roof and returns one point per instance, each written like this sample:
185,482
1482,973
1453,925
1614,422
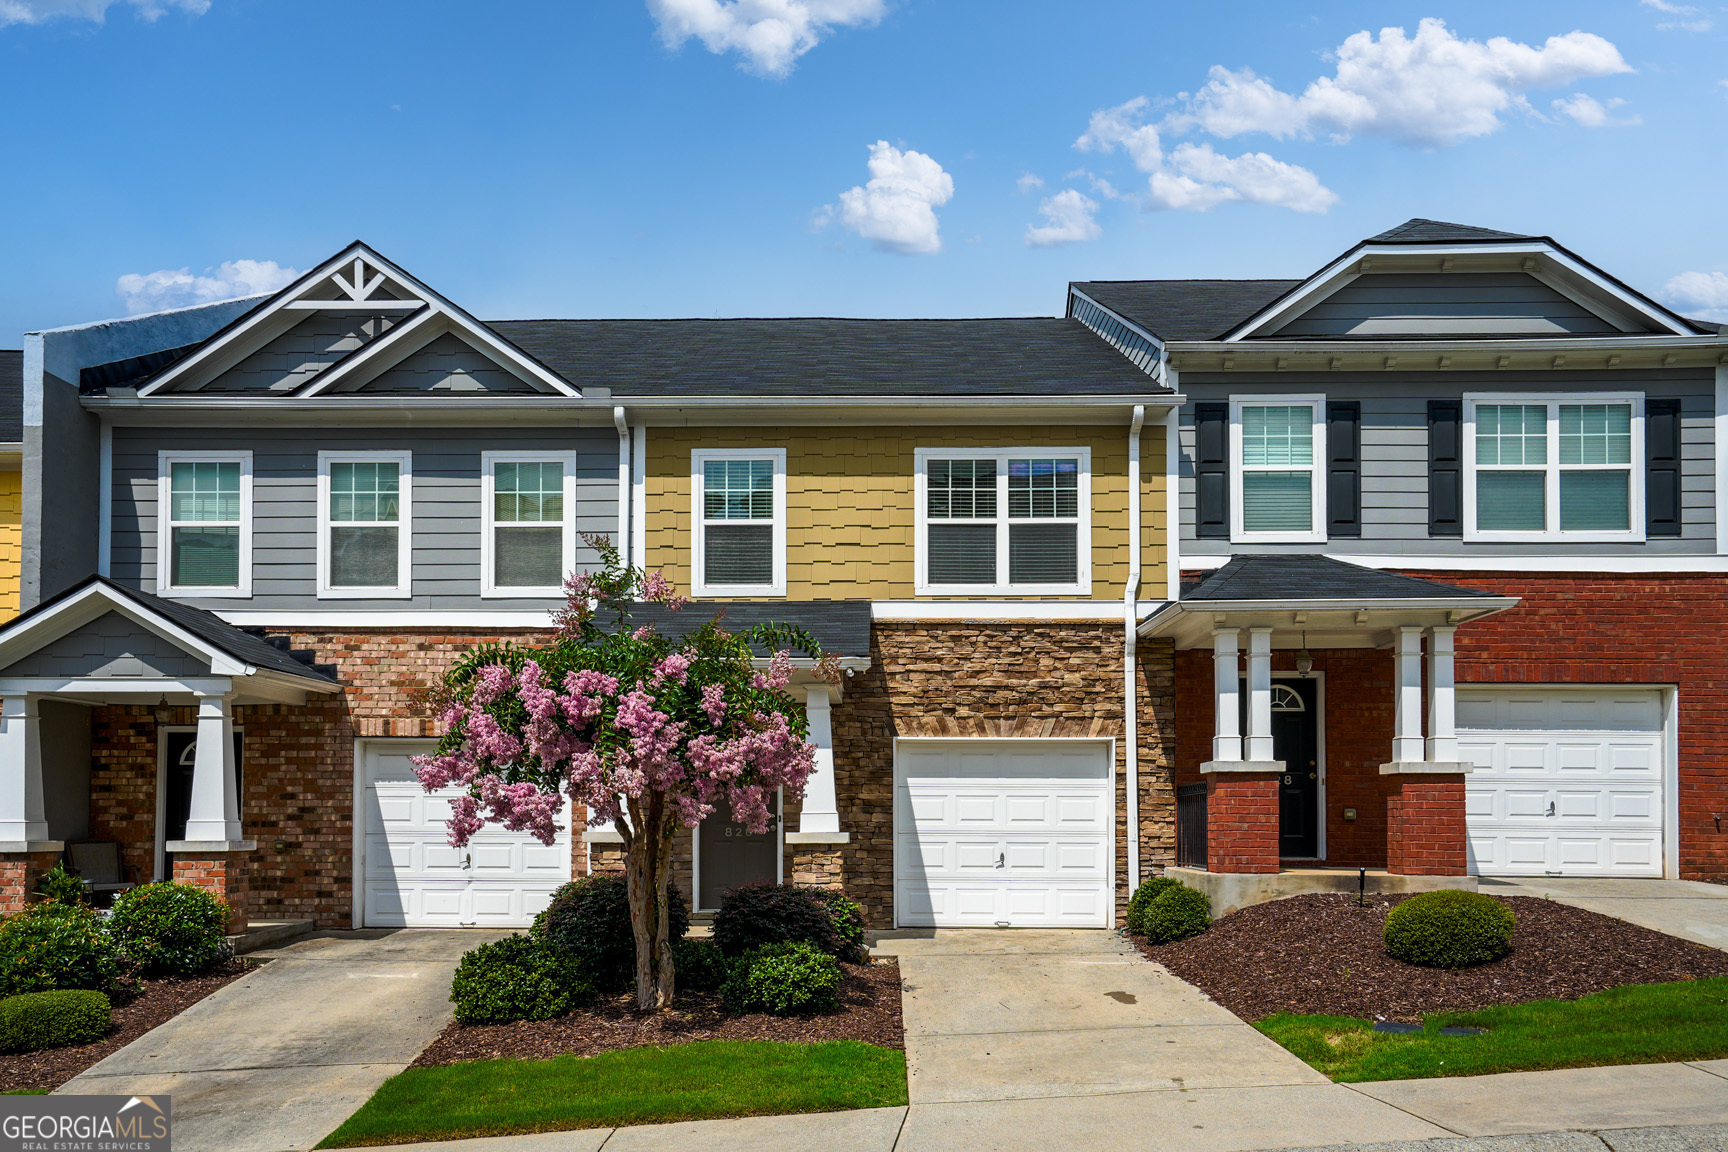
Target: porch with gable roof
1254,814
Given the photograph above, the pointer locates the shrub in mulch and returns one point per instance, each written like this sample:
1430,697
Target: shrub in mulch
869,1010
1323,954
138,1007
1450,928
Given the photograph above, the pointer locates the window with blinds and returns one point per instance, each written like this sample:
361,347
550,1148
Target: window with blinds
530,522
205,523
364,522
740,521
1556,467
1007,521
1278,449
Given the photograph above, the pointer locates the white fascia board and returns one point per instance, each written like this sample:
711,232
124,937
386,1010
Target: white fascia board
1630,565
1477,604
98,687
914,610
385,620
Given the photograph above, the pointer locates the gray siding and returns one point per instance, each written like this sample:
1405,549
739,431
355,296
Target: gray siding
446,507
1443,303
447,364
66,769
110,645
302,352
1395,455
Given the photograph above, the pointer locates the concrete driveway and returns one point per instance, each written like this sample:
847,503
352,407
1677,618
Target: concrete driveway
1690,909
275,1061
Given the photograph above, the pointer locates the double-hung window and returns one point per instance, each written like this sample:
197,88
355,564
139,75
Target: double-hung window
998,521
204,523
529,534
1558,467
1278,484
739,508
365,524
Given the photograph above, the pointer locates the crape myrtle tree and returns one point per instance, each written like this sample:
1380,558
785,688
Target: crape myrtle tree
644,732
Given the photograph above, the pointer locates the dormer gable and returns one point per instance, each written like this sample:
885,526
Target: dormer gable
357,324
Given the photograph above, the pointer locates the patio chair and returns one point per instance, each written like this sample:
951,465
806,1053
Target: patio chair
98,864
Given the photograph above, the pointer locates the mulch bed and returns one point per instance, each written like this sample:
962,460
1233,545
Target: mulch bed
869,1011
1322,954
135,1013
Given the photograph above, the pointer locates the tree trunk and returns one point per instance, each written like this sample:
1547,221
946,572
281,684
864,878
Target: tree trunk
647,873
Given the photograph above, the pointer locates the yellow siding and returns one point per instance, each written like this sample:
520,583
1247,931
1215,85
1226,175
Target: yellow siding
849,493
11,541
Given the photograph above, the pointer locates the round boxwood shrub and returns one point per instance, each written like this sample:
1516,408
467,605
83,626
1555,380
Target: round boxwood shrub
59,884
170,929
1176,914
789,978
51,945
518,978
697,965
752,915
589,919
847,918
1449,929
38,1020
1142,899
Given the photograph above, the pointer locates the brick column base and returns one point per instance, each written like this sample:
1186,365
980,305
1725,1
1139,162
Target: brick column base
223,875
19,872
1242,822
816,866
1425,832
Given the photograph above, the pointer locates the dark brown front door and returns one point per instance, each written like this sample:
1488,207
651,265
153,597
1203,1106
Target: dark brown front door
730,854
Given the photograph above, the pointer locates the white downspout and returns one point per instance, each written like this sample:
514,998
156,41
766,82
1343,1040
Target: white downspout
1130,622
639,496
623,538
1173,505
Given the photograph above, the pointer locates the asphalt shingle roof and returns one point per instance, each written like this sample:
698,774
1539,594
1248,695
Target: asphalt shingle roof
1314,578
1020,356
11,396
1186,309
1421,231
839,626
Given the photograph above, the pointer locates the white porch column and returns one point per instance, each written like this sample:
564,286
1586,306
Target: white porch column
1407,683
214,816
1442,699
22,817
821,812
1260,693
1227,688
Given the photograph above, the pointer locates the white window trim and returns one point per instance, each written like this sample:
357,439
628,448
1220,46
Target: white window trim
1551,488
488,506
165,532
922,586
698,522
404,586
1316,469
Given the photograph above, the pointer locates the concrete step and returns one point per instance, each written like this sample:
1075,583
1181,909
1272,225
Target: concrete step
269,934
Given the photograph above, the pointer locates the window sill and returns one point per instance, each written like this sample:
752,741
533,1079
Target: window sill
974,591
1278,538
522,594
757,591
1555,538
206,593
365,593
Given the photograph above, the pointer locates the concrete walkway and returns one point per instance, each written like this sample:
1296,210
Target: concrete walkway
275,1061
1690,909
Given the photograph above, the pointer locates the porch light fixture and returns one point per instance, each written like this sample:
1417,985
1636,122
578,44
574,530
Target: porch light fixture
1304,659
164,714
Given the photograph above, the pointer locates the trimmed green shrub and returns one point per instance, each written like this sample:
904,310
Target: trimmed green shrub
1176,914
518,978
171,929
38,1020
1142,899
1449,929
789,978
847,917
59,884
752,915
697,965
52,945
589,919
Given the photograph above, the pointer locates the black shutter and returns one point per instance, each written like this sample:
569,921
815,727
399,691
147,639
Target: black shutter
1344,468
1662,467
1445,468
1212,470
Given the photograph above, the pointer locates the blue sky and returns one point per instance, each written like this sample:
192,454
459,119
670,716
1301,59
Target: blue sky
835,157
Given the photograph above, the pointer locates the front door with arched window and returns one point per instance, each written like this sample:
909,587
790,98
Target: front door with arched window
1296,741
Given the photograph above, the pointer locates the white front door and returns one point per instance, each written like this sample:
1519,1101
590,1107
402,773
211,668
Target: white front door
412,878
1568,782
1009,833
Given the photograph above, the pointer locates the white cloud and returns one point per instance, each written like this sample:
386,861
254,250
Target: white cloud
1687,17
41,11
896,210
770,35
178,288
1067,220
1702,295
1028,183
1195,177
1592,113
1428,90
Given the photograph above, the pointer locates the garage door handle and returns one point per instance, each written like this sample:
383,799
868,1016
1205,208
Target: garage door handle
468,860
1550,807
1001,859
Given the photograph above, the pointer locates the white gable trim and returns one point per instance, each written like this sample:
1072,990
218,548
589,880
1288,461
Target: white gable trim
28,635
1559,270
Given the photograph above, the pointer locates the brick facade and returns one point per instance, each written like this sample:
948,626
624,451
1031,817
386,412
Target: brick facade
224,876
1425,834
1242,822
19,872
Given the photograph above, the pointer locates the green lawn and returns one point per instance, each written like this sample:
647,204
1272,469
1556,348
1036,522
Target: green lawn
701,1081
1638,1024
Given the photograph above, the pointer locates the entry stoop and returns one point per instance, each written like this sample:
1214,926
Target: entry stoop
269,934
1233,891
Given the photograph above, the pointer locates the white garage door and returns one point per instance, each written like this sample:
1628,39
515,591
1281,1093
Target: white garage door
1013,833
1567,782
414,879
